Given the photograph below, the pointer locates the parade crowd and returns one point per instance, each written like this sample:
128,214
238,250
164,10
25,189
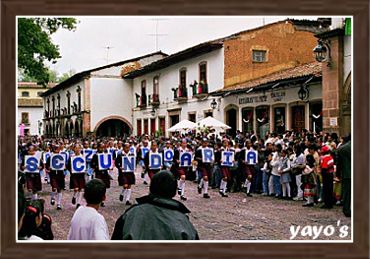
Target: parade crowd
313,168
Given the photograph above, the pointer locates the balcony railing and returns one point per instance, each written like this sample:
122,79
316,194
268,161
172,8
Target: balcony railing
155,100
200,90
182,93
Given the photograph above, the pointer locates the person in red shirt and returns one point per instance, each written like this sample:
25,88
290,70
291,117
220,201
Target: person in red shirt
327,171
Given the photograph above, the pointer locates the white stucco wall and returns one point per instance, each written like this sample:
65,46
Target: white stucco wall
347,62
35,115
169,78
110,97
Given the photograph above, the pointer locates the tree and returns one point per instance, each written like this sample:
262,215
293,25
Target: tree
35,45
66,75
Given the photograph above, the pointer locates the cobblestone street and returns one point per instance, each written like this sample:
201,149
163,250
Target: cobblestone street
234,218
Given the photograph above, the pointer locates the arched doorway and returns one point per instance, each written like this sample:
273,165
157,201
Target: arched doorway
231,120
113,127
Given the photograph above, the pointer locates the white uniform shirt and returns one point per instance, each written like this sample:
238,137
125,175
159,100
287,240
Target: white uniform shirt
88,224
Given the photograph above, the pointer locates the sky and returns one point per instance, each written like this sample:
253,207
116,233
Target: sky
131,36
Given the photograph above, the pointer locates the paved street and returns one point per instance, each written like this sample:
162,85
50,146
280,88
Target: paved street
234,218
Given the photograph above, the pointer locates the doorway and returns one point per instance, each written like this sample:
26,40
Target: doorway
231,121
298,118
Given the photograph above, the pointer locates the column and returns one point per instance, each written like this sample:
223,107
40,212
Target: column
240,122
271,118
254,120
288,114
307,116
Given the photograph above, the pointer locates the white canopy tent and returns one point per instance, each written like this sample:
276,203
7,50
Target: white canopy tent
212,123
182,126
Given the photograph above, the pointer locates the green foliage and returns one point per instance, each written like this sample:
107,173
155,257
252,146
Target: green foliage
66,75
35,45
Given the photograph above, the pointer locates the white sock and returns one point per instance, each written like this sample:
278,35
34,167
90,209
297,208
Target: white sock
123,191
223,186
53,195
179,184
288,189
205,187
146,177
59,197
201,183
75,194
248,185
182,187
128,194
309,199
34,196
80,197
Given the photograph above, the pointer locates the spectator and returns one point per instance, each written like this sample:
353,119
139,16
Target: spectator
156,216
87,223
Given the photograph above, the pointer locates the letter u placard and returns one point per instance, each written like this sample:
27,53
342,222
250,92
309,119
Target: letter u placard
105,161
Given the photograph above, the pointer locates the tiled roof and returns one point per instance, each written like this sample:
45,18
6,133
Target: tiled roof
310,69
30,102
34,85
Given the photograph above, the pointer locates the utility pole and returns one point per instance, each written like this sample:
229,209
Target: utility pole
156,34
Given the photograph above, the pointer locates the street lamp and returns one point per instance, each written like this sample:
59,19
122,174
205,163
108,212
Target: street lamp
303,93
152,112
213,104
322,51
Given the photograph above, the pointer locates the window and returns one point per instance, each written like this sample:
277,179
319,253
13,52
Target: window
25,94
138,122
192,117
79,98
203,72
208,114
146,126
259,55
153,127
25,118
183,77
143,93
155,90
162,124
69,102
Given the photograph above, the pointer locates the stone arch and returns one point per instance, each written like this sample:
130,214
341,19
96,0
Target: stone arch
231,115
122,125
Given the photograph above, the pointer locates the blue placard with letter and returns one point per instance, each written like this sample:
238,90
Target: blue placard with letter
133,150
251,157
227,158
88,152
144,151
208,155
57,162
78,164
45,156
185,159
105,161
155,161
31,164
168,155
128,164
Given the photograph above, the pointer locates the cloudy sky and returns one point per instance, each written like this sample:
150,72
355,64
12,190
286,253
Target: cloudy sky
130,36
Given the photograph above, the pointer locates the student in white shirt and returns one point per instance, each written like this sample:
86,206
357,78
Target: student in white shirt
87,223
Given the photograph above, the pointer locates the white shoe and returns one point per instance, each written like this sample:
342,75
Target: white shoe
298,198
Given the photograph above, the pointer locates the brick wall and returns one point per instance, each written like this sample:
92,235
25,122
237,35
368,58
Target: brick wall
285,46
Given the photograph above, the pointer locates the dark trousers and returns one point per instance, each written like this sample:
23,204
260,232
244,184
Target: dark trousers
327,180
346,196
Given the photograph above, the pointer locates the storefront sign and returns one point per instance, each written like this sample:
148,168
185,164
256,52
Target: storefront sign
333,121
253,99
277,96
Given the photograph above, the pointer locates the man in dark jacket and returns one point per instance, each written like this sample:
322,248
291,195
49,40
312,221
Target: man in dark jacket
344,172
156,216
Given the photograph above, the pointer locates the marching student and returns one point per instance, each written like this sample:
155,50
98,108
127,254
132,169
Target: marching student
168,164
125,179
204,168
247,168
225,170
100,174
180,170
77,180
57,179
153,150
33,180
140,157
47,151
